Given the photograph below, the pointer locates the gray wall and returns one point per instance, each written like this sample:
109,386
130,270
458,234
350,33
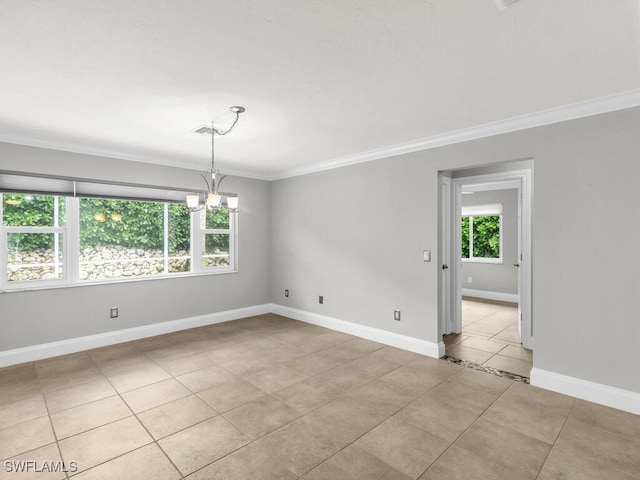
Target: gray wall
356,235
40,316
496,277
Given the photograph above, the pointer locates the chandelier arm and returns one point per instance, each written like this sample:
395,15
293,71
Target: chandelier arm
220,182
213,150
207,182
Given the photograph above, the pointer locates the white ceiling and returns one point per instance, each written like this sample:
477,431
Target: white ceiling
321,79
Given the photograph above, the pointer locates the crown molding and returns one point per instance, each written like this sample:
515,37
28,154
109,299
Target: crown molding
53,144
609,103
596,106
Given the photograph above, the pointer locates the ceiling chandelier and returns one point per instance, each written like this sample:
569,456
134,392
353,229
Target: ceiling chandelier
213,199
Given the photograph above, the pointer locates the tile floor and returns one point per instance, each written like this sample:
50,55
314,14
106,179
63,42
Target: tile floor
490,337
272,398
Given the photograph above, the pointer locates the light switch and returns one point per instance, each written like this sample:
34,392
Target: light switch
426,255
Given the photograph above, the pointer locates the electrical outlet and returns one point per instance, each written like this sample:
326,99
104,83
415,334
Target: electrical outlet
286,292
320,299
396,315
113,312
469,280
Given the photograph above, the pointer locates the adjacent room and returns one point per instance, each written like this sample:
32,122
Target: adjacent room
319,240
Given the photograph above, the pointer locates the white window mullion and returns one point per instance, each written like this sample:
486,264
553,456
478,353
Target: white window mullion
500,237
166,238
4,268
72,243
56,238
233,241
470,237
196,245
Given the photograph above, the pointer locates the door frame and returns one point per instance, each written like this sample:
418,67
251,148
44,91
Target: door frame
451,321
446,313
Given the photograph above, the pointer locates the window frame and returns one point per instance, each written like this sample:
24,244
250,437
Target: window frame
71,250
196,243
5,231
492,210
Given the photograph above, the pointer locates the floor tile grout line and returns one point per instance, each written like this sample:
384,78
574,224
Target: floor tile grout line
388,417
378,377
256,353
620,436
352,442
555,440
153,440
311,411
55,436
148,432
217,414
466,429
408,423
380,423
493,337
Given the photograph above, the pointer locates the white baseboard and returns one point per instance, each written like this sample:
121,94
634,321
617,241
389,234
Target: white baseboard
593,392
64,347
497,296
73,345
435,350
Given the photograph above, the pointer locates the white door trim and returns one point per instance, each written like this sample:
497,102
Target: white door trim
520,179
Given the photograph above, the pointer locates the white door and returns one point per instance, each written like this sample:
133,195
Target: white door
524,263
518,262
446,319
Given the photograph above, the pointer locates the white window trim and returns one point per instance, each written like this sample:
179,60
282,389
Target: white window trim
196,244
71,263
489,210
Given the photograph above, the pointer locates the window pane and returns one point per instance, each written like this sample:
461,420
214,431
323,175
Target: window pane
34,256
215,250
22,210
120,238
179,238
465,237
486,236
219,219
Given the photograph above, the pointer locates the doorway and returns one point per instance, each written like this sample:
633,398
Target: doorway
489,321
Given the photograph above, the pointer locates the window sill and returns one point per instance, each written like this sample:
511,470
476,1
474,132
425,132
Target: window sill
494,261
53,284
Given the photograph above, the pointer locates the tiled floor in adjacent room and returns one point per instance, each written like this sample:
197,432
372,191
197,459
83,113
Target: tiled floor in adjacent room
490,337
271,398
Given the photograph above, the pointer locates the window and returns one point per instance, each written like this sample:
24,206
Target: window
126,238
481,233
58,239
215,239
33,234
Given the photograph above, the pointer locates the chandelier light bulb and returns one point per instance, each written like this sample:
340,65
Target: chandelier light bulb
232,203
192,202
